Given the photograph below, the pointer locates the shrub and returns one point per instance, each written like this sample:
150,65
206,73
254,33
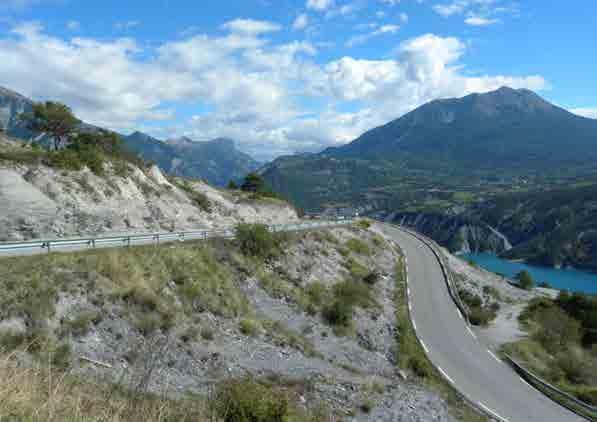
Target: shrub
481,316
363,224
249,401
471,299
338,313
372,278
256,240
358,246
248,327
356,270
317,293
347,295
525,280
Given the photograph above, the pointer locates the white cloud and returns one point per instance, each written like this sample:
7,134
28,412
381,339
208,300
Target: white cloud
403,17
362,38
457,7
479,12
73,25
300,22
585,112
251,26
319,5
273,98
479,21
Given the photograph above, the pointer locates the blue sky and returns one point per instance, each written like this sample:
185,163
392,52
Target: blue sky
281,76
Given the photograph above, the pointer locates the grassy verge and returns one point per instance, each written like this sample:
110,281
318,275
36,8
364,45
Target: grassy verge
412,357
45,393
560,347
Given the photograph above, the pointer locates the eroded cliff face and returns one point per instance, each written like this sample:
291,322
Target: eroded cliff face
37,201
457,233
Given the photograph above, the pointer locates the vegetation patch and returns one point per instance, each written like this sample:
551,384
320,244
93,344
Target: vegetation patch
478,313
358,246
562,343
347,295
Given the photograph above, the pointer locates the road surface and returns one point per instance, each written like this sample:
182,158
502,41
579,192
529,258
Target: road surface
457,353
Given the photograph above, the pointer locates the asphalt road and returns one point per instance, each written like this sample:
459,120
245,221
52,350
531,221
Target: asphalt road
459,355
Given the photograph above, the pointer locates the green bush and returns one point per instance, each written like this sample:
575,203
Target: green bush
347,295
248,327
481,316
525,280
338,313
372,278
358,246
256,240
317,293
363,224
250,401
356,270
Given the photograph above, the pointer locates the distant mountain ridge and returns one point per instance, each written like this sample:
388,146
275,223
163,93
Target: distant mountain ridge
504,134
217,161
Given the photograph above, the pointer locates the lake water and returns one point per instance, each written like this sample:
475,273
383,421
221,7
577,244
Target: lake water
566,279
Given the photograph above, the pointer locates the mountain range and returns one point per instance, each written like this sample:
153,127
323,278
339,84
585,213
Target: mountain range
217,161
503,137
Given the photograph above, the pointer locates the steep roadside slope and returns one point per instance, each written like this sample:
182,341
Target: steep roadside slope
315,314
40,201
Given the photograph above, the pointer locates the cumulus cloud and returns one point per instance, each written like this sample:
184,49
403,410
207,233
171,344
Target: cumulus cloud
381,30
273,98
300,22
478,12
585,112
251,26
319,5
479,21
73,25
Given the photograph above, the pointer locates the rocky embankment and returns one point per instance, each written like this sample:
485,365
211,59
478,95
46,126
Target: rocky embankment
178,320
37,201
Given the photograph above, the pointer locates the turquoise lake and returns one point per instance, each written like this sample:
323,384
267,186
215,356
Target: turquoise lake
565,279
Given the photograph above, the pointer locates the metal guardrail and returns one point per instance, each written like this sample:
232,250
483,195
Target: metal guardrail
153,238
564,397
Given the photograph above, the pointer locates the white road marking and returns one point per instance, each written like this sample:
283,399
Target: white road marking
523,380
459,314
445,375
424,347
408,291
471,331
494,356
414,325
492,412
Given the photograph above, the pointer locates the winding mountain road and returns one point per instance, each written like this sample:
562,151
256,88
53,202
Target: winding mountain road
453,347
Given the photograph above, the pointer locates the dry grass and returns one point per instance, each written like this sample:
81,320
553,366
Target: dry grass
43,393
